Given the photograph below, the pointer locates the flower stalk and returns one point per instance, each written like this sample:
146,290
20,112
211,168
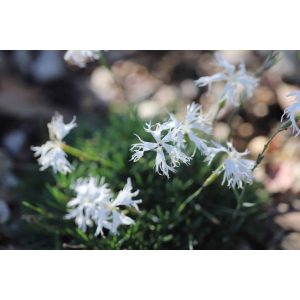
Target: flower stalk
82,155
221,105
271,60
239,198
283,127
211,179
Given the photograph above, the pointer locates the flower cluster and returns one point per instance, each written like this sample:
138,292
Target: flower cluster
51,153
238,83
169,140
195,122
81,58
94,204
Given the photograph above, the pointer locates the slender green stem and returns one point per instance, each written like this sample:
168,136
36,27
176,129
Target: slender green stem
221,105
239,198
190,198
212,178
239,201
269,62
283,127
209,216
261,155
84,156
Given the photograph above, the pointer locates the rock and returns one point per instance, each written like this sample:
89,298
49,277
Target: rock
3,62
256,145
22,60
188,89
14,140
282,208
48,66
283,177
9,180
43,66
296,204
4,212
288,66
236,56
260,110
166,94
246,130
103,85
221,131
289,221
148,109
291,241
6,164
136,79
18,101
265,95
282,91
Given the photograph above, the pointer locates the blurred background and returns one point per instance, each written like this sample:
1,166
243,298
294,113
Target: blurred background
35,84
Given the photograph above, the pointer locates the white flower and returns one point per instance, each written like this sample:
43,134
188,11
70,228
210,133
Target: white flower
168,155
237,170
125,196
109,214
213,151
4,212
51,153
195,122
94,205
293,111
80,58
237,82
89,196
197,119
110,217
208,80
58,129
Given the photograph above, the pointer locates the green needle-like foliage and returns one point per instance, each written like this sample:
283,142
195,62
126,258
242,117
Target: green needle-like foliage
211,221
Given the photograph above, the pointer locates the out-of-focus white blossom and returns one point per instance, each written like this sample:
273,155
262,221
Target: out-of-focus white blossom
81,58
4,212
94,205
209,80
51,154
168,154
292,112
237,170
58,129
125,196
89,196
195,122
237,82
